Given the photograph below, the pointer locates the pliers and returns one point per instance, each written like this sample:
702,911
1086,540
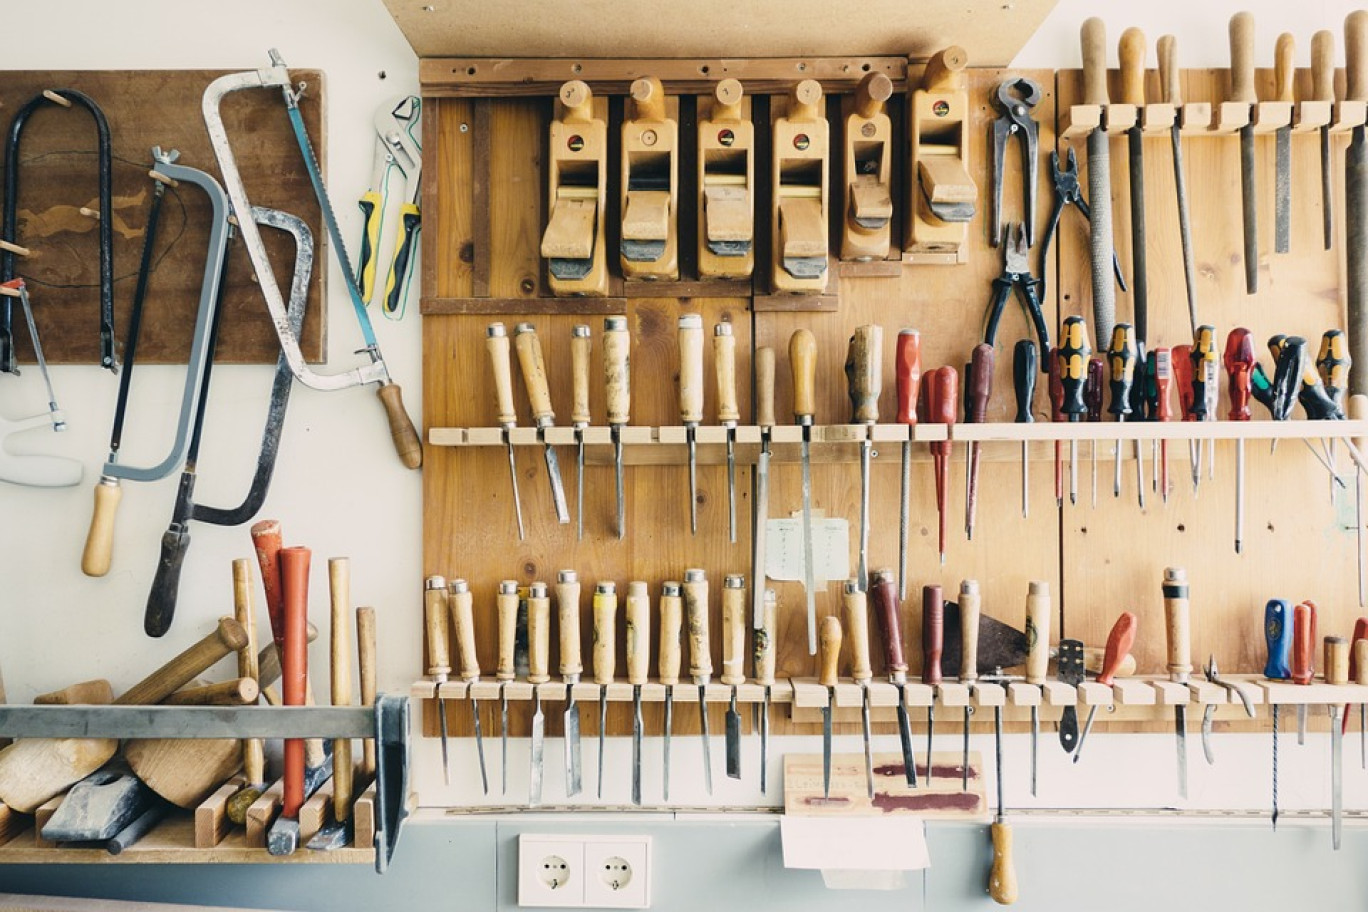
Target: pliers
1017,98
1214,676
398,147
1068,190
1016,272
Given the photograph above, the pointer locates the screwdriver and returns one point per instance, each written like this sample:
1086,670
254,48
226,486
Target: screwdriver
571,667
1163,409
539,394
855,607
933,642
1278,636
580,345
1092,399
506,603
1037,655
728,413
827,677
864,378
691,399
1121,356
605,658
980,382
1025,363
1119,643
638,620
971,606
700,655
803,365
437,624
1057,415
1303,655
1178,626
461,604
1072,358
908,374
942,403
1204,387
1239,363
764,417
500,355
886,616
618,384
671,622
764,676
1181,368
1332,365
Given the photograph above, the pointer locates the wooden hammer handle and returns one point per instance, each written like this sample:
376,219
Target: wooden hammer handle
340,654
294,664
226,638
267,539
365,662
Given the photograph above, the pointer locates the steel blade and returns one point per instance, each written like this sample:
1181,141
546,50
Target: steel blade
809,571
668,724
579,484
904,510
1336,774
1249,209
513,474
1301,724
503,734
930,729
1327,188
1035,744
479,743
1087,727
964,763
446,757
1282,191
534,786
557,487
826,747
764,741
693,482
733,739
731,484
758,569
703,727
868,751
603,726
1180,730
574,768
1184,227
862,575
905,741
1207,715
1135,139
636,744
617,471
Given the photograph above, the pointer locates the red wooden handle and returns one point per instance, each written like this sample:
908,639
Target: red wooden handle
266,538
1119,643
908,374
294,664
1303,643
933,633
886,606
1239,363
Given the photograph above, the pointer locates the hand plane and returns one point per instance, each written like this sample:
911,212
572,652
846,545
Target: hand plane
942,194
726,182
577,191
650,185
799,218
868,209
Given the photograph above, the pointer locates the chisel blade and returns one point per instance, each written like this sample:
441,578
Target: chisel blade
733,739
534,785
1336,774
826,745
617,473
904,509
862,574
574,769
1035,744
513,474
553,475
579,484
764,741
636,744
1282,190
868,751
930,730
603,726
693,482
731,484
809,571
442,722
665,758
758,569
1207,716
479,743
964,762
1180,732
503,735
703,727
905,740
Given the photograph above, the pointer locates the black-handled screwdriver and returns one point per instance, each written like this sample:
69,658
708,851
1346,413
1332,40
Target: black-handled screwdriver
1072,359
1121,357
1025,364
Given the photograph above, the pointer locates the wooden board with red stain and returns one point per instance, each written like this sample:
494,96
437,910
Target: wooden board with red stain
943,798
58,175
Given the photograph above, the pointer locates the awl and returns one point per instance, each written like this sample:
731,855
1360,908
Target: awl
571,667
539,393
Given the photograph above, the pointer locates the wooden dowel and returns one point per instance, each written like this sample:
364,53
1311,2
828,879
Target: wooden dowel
15,249
55,98
163,179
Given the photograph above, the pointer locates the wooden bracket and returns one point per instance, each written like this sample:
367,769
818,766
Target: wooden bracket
577,192
726,184
802,152
650,185
942,195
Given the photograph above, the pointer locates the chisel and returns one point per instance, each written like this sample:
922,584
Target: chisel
764,417
1037,655
855,607
580,345
539,394
933,641
1239,365
1178,627
500,355
1072,359
830,656
1323,90
1025,363
887,609
971,607
864,378
605,658
1119,643
617,375
1278,636
538,652
803,364
907,372
764,676
733,663
979,378
1100,244
691,399
638,620
1284,72
1131,60
1359,656
942,405
728,413
700,656
1170,87
461,603
1242,92
671,622
439,655
1303,656
571,667
506,604
1336,674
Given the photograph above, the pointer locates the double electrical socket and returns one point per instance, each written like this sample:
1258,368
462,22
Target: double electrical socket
584,872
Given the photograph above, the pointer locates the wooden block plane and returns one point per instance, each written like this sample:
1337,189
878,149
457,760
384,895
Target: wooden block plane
868,209
577,177
802,150
650,184
942,195
726,182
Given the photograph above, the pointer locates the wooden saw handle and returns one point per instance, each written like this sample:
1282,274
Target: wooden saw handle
99,545
405,436
568,613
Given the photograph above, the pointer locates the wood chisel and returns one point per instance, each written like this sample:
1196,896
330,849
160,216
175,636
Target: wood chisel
1303,656
1278,636
533,369
764,676
461,604
638,620
933,642
1025,364
1323,90
617,375
1100,243
1178,627
1336,674
571,666
728,413
580,416
1038,612
1119,643
733,663
764,417
978,378
1284,73
803,365
605,659
855,607
1170,87
436,621
1242,93
864,376
671,623
971,609
700,656
1131,61
907,373
691,399
830,656
538,653
506,606
887,608
500,355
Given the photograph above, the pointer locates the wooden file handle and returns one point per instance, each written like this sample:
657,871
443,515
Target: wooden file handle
1038,612
855,608
267,541
538,634
803,365
637,616
1170,77
580,345
99,545
971,607
696,618
365,663
1002,882
500,350
690,368
1130,54
533,369
764,386
671,622
405,436
734,630
605,633
617,342
506,605
864,373
829,650
1093,36
764,642
1356,56
1242,59
724,365
1323,66
568,613
1284,67
1178,624
461,603
438,628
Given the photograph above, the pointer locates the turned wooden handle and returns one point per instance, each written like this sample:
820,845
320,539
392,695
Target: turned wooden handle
764,642
267,541
1177,624
1170,77
864,373
724,366
1242,59
728,94
1303,643
803,366
1093,37
829,650
943,70
886,614
1130,54
1002,882
804,101
1356,56
580,351
1119,643
93,693
461,605
1360,658
690,368
971,607
496,341
438,628
506,605
764,386
1323,66
577,102
1336,660
637,616
365,663
671,623
340,680
1038,612
294,665
253,749
933,633
696,617
1284,67
533,368
907,374
99,544
734,631
605,633
225,638
538,634
405,436
617,373
648,99
855,609
870,96
568,614
236,692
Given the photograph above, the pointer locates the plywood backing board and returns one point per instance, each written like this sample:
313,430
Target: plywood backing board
1298,542
58,174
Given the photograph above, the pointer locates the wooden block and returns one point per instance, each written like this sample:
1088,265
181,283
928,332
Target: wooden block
12,823
648,215
1090,693
211,817
263,813
952,693
316,812
1130,692
1170,693
944,179
919,694
802,231
363,819
990,695
728,213
41,816
570,230
869,198
1023,694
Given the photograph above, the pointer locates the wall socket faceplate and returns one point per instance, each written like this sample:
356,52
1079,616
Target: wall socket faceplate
594,872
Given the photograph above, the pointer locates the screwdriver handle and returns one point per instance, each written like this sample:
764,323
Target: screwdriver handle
764,386
1072,357
1181,368
1163,384
1002,881
1093,37
538,634
605,632
690,368
1242,59
580,351
1336,660
1204,374
1356,56
1278,635
1177,624
855,608
734,630
437,627
1303,644
617,374
971,608
887,615
1093,391
1121,357
500,358
1239,365
696,617
933,633
1284,67
724,365
803,364
1025,363
1170,78
829,650
1119,643
461,604
942,404
568,614
671,622
1038,612
533,368
1130,54
506,606
1323,66
1333,362
763,641
980,383
864,373
637,616
907,373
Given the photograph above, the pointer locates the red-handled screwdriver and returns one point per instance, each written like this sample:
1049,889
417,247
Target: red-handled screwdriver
942,404
1119,643
1303,655
1239,365
1092,398
980,381
908,373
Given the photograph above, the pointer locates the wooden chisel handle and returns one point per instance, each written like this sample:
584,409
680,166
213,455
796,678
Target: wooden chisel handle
237,692
438,628
605,633
533,367
1119,643
461,604
1093,37
1242,59
864,373
99,544
227,637
294,665
690,368
637,616
971,607
267,540
884,585
734,630
1130,53
405,436
580,351
1336,660
1356,56
1178,624
933,633
1002,882
829,650
1284,68
1170,77
568,614
671,623
1303,643
98,692
506,606
855,608
764,642
1038,612
724,365
617,373
538,634
496,341
1323,66
803,365
696,617
365,663
764,386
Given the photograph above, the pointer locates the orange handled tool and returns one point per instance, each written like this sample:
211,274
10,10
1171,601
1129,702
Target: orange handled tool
942,404
294,664
907,370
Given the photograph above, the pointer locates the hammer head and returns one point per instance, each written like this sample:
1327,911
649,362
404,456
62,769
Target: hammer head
98,807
